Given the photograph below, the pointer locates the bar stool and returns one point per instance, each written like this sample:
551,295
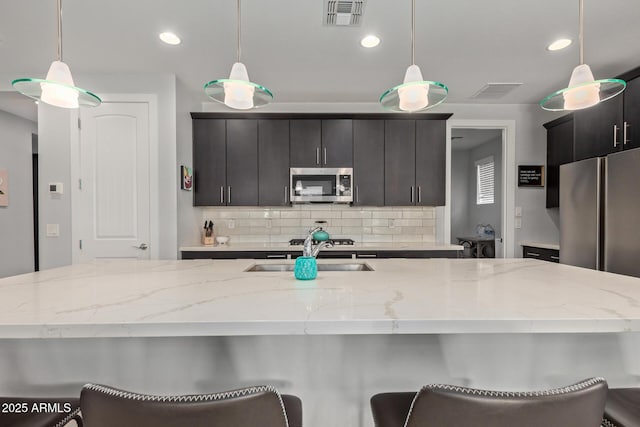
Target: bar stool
622,408
37,412
259,406
439,405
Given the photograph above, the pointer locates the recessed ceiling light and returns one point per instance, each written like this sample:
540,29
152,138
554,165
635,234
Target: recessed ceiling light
170,38
559,44
370,41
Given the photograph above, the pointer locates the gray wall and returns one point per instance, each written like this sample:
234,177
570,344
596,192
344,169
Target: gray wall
459,194
16,220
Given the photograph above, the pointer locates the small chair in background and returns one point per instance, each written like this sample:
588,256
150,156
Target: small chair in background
260,406
438,405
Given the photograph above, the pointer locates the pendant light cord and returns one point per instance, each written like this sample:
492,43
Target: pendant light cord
413,32
59,30
238,29
581,34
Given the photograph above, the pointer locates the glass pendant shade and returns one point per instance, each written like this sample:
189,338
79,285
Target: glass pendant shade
583,91
237,91
414,94
57,89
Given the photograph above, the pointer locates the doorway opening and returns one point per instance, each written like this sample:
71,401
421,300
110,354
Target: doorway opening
476,191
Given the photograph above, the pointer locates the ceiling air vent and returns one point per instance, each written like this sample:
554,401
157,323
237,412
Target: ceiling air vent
495,90
343,13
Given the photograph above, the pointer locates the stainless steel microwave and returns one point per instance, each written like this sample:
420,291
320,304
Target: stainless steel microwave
318,185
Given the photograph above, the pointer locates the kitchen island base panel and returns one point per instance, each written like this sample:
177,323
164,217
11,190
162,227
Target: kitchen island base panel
334,375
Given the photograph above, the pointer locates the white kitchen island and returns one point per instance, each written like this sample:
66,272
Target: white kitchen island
202,325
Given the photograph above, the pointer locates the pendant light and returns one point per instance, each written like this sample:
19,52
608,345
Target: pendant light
58,88
238,91
583,91
414,94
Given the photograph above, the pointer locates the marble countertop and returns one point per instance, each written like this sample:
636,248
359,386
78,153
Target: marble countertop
418,246
541,245
120,298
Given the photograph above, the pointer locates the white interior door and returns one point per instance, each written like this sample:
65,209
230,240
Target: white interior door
114,172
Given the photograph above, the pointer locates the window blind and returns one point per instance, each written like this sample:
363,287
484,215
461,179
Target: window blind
485,181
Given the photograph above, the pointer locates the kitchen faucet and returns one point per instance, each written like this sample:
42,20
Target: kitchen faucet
308,250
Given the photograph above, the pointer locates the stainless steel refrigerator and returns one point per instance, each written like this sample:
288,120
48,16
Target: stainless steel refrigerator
600,213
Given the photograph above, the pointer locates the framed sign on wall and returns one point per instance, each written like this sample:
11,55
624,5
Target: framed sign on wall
530,176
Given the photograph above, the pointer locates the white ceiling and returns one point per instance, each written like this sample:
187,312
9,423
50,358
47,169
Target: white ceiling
462,43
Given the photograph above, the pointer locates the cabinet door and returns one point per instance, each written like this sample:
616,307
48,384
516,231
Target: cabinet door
399,162
273,164
242,163
368,162
632,114
559,152
209,167
431,161
594,129
305,147
337,143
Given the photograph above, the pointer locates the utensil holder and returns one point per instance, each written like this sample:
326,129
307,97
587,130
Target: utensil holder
305,268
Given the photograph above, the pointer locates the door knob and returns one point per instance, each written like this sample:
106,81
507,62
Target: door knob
142,246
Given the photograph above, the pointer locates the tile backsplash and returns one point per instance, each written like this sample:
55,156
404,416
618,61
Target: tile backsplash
365,225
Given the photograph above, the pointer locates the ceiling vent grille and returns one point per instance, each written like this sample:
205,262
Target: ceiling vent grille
495,90
343,13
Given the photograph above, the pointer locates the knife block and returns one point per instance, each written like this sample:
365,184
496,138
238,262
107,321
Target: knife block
208,240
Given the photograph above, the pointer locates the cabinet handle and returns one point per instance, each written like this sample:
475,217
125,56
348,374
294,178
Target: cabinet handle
357,195
317,155
532,254
286,193
624,133
555,257
366,256
325,155
419,194
615,136
222,194
280,256
412,194
229,195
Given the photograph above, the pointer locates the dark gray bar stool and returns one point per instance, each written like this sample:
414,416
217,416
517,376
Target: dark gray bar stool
622,408
260,406
439,405
47,412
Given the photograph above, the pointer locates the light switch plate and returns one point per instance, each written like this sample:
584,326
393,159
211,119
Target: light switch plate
55,188
53,230
231,224
518,223
518,211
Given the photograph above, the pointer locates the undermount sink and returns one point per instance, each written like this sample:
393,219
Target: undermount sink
321,267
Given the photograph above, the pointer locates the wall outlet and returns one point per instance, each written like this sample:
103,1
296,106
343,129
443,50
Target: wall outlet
518,211
231,224
518,223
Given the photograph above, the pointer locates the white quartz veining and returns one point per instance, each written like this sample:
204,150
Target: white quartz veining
217,298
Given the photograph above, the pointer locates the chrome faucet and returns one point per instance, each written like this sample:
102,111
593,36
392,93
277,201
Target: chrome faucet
307,248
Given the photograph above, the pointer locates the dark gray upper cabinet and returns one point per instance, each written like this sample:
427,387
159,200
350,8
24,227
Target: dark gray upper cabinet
631,133
559,152
399,162
321,143
431,158
306,143
209,162
273,163
242,163
337,148
598,130
368,162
